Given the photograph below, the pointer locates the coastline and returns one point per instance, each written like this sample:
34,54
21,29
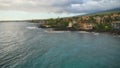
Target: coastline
114,32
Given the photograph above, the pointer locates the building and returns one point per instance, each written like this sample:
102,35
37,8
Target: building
85,17
116,25
98,19
86,26
70,24
74,22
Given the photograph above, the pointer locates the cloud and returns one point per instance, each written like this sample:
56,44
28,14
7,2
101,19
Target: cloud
95,5
61,6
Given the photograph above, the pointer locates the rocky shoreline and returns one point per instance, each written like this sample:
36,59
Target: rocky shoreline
115,32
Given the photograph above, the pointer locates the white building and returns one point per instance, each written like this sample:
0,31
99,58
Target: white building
70,24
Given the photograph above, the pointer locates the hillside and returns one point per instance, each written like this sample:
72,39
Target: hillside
115,10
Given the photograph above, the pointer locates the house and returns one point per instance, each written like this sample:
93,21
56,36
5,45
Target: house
70,24
85,17
116,25
74,22
98,19
86,26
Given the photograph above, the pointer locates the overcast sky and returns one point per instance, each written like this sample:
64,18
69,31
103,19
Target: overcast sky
41,9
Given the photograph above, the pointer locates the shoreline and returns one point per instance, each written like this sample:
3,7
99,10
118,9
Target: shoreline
114,32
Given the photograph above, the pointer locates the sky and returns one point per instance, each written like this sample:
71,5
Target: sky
44,9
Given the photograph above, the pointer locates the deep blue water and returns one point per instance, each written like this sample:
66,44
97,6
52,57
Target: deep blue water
24,46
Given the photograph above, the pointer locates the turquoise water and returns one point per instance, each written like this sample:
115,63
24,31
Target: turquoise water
22,45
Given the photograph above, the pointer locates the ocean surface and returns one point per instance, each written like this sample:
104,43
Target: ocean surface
23,45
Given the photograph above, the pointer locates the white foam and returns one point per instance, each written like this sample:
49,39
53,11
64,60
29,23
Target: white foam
83,32
31,27
96,33
50,31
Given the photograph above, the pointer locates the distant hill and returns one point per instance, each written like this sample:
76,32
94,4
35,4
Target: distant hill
115,9
105,12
